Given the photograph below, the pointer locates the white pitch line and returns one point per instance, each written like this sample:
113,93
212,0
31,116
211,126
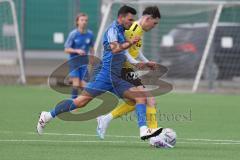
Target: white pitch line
120,136
61,141
69,134
85,135
129,142
218,143
210,140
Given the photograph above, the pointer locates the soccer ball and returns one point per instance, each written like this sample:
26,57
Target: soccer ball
166,139
170,136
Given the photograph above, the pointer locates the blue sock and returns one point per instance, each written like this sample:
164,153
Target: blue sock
141,114
63,106
74,92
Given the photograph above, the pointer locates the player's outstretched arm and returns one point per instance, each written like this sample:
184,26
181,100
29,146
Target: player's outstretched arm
150,64
142,57
131,59
118,47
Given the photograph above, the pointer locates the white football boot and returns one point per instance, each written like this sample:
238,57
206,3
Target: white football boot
44,118
146,133
102,126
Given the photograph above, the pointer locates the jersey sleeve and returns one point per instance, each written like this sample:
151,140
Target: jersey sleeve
112,35
69,41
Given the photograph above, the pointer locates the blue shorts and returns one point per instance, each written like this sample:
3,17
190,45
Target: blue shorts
117,86
78,72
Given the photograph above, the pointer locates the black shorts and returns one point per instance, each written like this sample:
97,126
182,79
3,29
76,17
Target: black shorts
128,74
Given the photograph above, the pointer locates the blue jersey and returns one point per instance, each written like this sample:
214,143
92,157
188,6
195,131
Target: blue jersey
77,40
112,63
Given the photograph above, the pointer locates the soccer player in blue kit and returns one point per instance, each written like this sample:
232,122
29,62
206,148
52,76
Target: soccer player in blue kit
78,45
109,77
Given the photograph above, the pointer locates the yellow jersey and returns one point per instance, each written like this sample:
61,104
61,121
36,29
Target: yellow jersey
134,30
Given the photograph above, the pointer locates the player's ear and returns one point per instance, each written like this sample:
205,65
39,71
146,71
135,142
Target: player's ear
123,17
148,18
120,17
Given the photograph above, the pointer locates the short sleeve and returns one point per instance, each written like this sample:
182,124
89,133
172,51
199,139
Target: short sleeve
112,35
69,41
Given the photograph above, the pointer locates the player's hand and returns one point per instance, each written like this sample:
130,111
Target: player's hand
135,39
80,52
152,65
140,65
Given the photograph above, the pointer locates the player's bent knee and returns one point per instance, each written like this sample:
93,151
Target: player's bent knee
76,82
81,101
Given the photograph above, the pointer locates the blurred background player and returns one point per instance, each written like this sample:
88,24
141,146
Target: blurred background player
109,77
78,45
150,18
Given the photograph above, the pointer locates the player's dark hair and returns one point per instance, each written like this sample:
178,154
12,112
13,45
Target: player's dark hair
152,11
80,15
124,10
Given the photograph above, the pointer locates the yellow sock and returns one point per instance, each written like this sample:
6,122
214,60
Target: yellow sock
151,117
123,109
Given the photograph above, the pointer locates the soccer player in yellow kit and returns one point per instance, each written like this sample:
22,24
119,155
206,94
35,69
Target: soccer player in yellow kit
150,18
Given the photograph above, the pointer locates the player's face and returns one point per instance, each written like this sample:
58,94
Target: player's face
82,21
128,20
150,23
